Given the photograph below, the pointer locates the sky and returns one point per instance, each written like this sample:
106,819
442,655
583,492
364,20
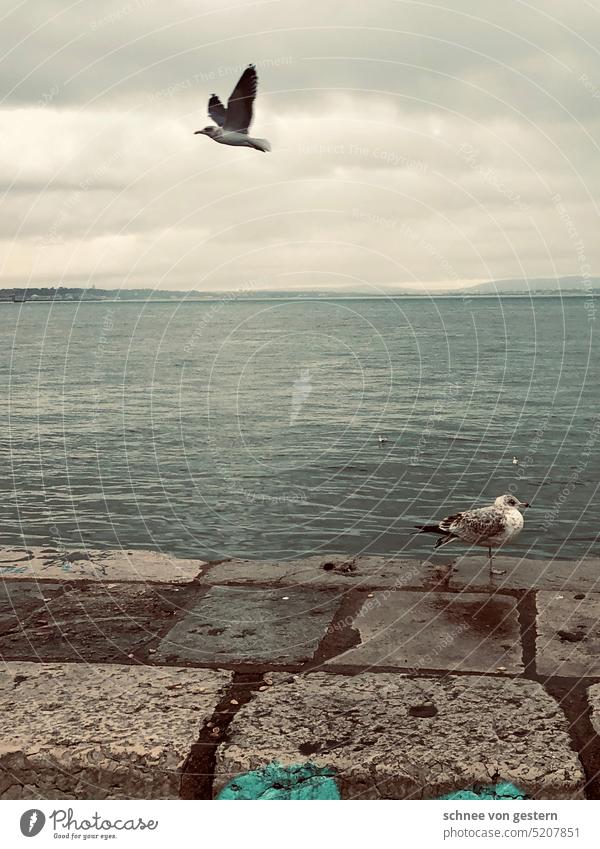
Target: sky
414,144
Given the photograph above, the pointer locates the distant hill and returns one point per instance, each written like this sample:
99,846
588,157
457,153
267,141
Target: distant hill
76,293
536,285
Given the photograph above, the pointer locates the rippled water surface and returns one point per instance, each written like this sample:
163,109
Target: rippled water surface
250,427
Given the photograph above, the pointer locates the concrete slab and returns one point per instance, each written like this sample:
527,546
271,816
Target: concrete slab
581,575
365,572
335,571
95,621
74,731
323,571
238,625
452,631
391,736
96,565
19,599
568,634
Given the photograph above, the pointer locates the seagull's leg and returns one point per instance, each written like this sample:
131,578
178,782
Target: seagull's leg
492,570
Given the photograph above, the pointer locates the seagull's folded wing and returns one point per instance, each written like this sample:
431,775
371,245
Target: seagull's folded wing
239,105
449,522
216,110
475,525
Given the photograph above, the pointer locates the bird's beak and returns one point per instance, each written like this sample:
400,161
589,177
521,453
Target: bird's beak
524,503
198,132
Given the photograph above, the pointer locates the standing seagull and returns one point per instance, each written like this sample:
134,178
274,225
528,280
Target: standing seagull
489,527
233,122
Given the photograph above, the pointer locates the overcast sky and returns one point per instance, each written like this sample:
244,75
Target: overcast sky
422,144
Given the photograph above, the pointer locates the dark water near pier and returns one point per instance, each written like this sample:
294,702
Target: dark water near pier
250,428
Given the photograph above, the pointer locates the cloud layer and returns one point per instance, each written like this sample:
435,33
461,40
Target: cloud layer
414,143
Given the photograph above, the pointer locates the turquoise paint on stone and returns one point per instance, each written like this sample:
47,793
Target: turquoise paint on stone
302,781
504,790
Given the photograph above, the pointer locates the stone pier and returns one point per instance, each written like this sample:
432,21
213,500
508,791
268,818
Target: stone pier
133,674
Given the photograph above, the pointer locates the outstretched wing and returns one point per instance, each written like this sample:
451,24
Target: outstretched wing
216,110
239,105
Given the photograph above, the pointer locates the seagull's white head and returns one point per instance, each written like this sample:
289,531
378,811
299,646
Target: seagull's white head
208,131
510,502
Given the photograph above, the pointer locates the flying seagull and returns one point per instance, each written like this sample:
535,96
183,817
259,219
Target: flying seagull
233,122
382,439
489,527
515,462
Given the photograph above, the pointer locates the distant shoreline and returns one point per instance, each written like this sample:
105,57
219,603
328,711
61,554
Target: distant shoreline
227,298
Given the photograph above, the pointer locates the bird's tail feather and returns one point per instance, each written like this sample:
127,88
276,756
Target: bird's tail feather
428,529
444,541
261,144
444,538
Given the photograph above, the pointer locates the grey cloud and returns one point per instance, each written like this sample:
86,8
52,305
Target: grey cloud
411,143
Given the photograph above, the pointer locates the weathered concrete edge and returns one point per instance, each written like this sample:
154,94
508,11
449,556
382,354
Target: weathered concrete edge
118,566
233,759
241,690
319,571
101,730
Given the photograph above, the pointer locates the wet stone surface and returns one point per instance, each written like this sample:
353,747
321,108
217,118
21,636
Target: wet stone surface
568,634
19,599
411,630
323,571
232,624
461,571
94,622
582,575
390,736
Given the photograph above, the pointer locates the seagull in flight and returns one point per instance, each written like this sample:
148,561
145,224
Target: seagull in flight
382,439
232,124
489,527
515,462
